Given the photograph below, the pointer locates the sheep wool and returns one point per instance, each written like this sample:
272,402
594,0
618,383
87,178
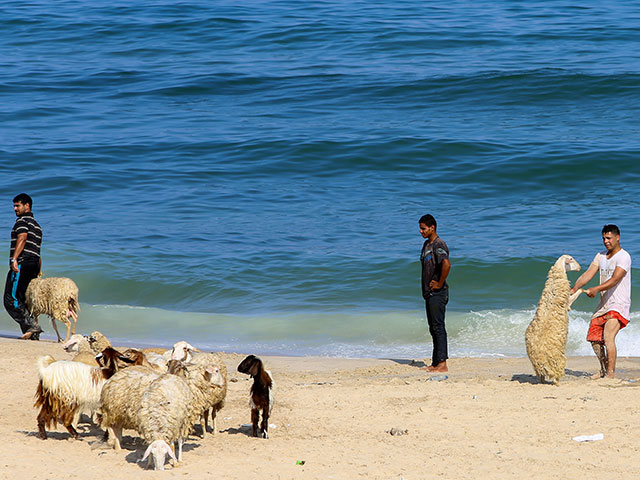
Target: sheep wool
120,399
166,415
214,399
56,297
546,336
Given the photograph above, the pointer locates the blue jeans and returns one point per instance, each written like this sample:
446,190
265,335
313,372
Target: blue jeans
436,306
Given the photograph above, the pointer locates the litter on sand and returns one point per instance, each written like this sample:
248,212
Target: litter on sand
589,438
438,378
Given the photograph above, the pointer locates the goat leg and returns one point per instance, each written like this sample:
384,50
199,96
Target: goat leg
265,423
255,416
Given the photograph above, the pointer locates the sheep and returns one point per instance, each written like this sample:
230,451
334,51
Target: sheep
56,297
185,352
67,388
98,342
169,408
120,401
79,345
261,396
546,335
138,357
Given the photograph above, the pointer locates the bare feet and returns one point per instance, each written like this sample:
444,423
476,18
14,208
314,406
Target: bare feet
440,367
597,376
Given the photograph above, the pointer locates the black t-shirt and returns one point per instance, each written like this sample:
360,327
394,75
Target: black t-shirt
431,259
27,224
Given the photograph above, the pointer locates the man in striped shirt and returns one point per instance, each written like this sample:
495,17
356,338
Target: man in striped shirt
24,265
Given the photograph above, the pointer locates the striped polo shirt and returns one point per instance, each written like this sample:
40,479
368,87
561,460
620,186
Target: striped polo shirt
27,224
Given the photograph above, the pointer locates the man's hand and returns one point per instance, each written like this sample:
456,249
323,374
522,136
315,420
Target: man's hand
433,285
590,292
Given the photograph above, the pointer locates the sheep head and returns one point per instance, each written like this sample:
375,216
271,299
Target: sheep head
73,344
250,365
568,263
182,351
159,449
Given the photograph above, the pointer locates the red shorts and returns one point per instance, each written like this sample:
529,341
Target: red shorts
596,328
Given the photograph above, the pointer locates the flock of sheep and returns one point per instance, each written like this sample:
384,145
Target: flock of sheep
160,394
163,394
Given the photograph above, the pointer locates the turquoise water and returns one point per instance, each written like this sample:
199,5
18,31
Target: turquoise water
250,177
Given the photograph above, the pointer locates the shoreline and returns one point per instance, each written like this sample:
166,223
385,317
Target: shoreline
489,418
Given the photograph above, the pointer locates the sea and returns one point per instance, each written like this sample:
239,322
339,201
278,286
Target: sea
248,176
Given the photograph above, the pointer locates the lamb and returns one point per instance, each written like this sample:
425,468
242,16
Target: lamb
170,406
546,336
67,388
261,396
56,297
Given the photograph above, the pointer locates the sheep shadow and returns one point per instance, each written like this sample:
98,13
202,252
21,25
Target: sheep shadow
86,432
238,431
535,380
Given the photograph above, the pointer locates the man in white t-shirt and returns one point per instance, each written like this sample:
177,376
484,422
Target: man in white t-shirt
612,313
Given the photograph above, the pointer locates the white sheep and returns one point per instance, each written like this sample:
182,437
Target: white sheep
67,388
184,352
79,345
56,297
546,336
169,408
120,401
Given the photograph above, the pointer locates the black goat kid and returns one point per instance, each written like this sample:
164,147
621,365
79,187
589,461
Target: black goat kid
261,397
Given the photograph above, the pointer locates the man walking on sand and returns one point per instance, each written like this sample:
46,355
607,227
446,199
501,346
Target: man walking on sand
435,291
612,313
24,265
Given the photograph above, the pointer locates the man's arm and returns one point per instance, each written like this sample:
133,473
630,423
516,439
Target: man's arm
585,277
618,273
21,241
446,267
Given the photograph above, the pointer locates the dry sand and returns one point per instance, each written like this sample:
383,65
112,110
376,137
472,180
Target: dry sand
490,419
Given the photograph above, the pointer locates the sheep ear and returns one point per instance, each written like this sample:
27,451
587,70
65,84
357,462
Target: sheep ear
146,453
169,450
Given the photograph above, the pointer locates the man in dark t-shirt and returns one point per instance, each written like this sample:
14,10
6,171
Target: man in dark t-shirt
24,265
435,290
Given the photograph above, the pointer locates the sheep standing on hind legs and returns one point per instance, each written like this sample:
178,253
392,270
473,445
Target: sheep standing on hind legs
56,297
546,336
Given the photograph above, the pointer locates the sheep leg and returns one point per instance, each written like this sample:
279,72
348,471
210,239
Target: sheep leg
213,419
255,416
72,431
115,433
265,423
205,422
42,433
74,315
53,322
68,324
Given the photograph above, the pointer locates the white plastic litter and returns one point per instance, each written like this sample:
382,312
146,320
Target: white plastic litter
589,438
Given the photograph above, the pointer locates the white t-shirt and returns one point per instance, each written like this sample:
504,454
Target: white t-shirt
617,298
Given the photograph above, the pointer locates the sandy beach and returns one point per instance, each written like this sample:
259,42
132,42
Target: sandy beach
489,419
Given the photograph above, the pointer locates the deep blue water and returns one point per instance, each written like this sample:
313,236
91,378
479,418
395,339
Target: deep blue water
250,177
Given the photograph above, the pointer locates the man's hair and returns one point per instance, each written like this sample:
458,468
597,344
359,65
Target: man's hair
24,199
428,220
611,228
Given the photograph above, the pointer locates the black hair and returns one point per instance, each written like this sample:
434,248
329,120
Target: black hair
611,228
24,199
428,220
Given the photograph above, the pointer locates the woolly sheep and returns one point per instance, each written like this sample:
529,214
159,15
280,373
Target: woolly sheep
56,297
98,342
79,345
546,336
169,408
120,401
183,351
66,388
